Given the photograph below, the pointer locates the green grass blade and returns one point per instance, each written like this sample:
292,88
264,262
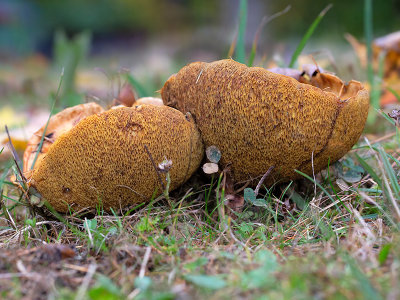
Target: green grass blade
139,88
385,115
369,170
241,46
393,158
391,121
324,190
389,170
232,47
264,22
376,88
368,39
396,94
366,288
307,35
48,120
3,178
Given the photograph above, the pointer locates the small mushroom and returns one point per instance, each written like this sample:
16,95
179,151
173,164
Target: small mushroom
259,119
110,158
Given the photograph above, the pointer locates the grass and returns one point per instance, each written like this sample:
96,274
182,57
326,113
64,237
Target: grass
307,36
334,235
241,42
339,245
48,120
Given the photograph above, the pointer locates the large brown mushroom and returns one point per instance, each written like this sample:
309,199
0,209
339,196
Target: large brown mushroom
112,158
260,119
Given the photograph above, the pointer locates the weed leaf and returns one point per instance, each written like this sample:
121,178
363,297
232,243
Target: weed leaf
206,281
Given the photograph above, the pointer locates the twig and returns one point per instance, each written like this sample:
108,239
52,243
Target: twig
86,281
86,225
142,272
198,77
13,275
155,167
15,155
313,173
131,189
262,180
145,261
243,187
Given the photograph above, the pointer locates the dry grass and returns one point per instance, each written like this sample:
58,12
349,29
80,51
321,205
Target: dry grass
342,243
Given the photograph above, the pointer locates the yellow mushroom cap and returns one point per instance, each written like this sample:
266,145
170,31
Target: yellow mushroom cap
103,158
260,119
58,124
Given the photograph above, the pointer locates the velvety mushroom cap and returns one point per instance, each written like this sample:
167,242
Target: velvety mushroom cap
260,119
103,158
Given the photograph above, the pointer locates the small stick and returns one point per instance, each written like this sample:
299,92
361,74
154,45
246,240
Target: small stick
145,261
155,167
85,283
15,155
262,180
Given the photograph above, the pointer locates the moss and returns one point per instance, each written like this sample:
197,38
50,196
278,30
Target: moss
260,119
103,158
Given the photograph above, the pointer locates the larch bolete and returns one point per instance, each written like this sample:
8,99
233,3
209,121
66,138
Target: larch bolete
259,119
112,157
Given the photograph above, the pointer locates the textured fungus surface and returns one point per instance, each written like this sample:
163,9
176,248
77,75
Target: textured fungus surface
260,119
103,158
58,124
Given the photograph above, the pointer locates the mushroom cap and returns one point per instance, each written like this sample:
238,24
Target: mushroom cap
58,124
103,158
260,119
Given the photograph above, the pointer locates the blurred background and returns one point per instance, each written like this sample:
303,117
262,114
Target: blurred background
193,27
96,41
100,46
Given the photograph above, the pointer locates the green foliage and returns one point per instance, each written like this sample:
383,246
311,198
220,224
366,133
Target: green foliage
376,88
324,190
368,34
55,98
264,21
138,87
349,171
365,286
143,283
148,290
31,222
68,53
241,41
211,282
250,196
393,184
263,276
307,36
147,224
105,289
384,253
199,262
97,234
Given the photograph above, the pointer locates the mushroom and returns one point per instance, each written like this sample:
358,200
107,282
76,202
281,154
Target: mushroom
111,157
59,124
259,119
